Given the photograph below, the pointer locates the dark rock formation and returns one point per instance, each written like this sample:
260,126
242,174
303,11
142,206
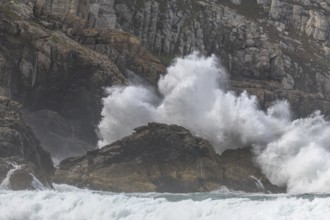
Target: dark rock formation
162,158
21,180
21,157
44,69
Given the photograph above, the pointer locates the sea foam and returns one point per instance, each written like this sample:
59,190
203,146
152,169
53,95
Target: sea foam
77,204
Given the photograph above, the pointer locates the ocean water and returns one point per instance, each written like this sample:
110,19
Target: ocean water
67,202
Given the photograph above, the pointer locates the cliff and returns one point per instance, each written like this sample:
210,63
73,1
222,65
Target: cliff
275,49
61,81
56,57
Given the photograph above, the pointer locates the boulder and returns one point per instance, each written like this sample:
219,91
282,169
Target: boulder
20,180
162,158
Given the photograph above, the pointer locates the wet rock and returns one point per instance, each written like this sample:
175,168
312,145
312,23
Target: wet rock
21,155
241,173
21,180
162,158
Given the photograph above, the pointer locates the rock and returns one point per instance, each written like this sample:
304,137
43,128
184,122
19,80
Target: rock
241,173
126,50
45,69
162,158
58,55
20,151
20,180
42,68
244,34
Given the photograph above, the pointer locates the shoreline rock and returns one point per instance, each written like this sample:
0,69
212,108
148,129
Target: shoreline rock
162,158
22,159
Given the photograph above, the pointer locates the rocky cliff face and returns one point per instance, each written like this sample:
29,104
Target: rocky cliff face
275,43
163,158
23,162
275,49
44,68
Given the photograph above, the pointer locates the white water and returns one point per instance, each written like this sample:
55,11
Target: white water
5,183
36,184
68,203
258,183
193,94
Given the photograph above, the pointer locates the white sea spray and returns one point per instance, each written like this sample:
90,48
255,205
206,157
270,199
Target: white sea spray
193,94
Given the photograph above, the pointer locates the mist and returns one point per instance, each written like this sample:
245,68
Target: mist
194,94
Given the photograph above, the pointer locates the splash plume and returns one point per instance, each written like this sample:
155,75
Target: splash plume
193,94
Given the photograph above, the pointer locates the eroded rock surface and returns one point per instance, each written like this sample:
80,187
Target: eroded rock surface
162,158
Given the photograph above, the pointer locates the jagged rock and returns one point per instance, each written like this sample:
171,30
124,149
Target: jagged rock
162,158
20,151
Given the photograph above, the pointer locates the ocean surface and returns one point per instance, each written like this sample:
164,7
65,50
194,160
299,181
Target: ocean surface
67,202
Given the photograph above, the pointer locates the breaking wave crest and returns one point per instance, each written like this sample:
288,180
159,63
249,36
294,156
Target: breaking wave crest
193,94
68,203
